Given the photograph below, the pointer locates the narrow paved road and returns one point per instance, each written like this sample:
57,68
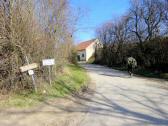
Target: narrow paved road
123,101
116,100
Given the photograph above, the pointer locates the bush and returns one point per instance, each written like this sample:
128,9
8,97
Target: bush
36,34
73,57
154,55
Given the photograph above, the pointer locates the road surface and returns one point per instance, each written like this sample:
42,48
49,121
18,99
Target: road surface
116,100
123,101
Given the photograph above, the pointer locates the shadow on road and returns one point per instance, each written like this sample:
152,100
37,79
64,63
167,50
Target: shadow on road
96,103
101,105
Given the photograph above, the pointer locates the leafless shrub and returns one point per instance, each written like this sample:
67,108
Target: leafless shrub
37,29
140,33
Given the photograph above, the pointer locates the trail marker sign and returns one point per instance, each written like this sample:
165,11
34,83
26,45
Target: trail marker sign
30,72
48,62
28,67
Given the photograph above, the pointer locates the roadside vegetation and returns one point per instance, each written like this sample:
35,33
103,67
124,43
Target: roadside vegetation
30,31
71,81
141,33
144,72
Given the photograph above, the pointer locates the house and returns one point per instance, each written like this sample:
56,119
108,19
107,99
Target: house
86,50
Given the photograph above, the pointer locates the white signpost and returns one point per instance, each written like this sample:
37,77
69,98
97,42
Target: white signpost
30,72
49,63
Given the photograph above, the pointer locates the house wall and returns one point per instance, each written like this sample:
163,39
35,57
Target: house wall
80,53
90,51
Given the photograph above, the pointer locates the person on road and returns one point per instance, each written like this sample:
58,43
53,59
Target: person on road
131,65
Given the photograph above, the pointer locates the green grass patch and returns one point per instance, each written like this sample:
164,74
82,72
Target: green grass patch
145,73
151,74
22,100
164,75
72,80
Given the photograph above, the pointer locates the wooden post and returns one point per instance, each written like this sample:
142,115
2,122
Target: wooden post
32,76
49,63
49,70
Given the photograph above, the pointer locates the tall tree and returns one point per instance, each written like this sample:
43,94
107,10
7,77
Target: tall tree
166,15
145,19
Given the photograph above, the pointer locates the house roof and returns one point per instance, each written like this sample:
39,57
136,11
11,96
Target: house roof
84,45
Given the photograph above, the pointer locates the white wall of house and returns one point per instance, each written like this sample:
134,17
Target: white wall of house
90,50
82,55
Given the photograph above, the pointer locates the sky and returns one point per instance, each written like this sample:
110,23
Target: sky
97,13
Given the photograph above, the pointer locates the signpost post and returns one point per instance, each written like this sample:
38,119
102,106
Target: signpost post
49,63
30,68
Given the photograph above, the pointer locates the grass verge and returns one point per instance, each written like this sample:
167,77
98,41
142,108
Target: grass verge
145,73
72,80
151,74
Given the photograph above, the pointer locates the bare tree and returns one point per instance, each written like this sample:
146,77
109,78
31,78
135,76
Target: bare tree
166,15
114,35
36,29
141,33
145,19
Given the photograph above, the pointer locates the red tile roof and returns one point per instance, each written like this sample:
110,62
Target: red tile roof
84,45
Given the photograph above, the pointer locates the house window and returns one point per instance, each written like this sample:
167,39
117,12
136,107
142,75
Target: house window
83,55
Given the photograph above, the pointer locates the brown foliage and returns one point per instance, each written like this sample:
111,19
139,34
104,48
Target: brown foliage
36,29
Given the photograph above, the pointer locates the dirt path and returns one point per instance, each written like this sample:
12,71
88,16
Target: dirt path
117,101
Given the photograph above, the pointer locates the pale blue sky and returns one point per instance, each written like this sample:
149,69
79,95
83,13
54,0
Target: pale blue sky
98,12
